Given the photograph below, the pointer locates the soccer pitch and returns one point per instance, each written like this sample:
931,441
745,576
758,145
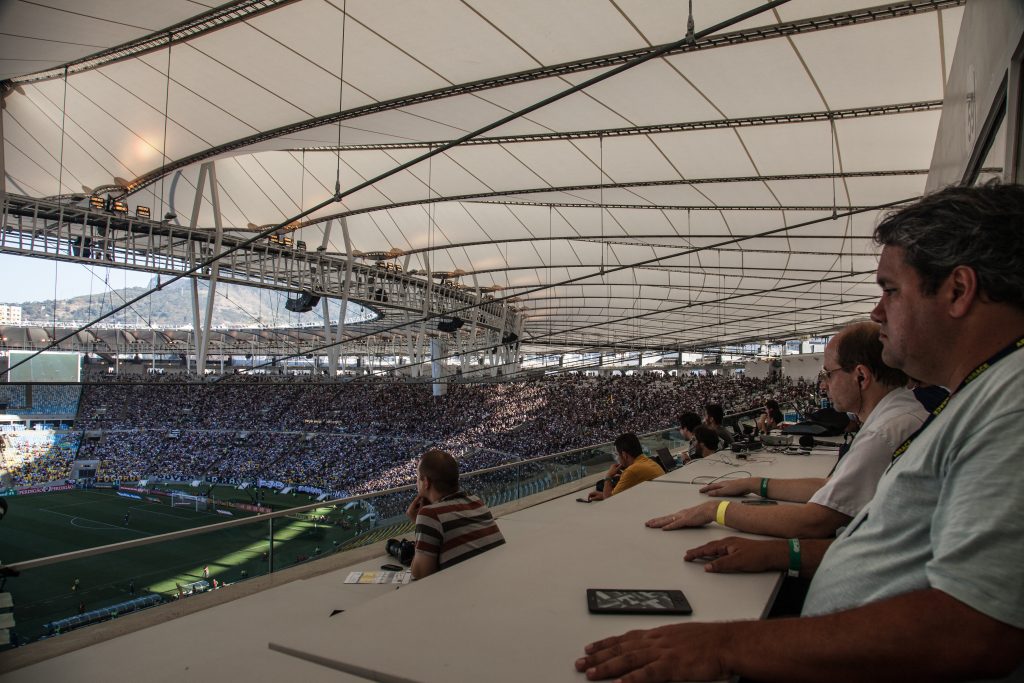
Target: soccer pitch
53,523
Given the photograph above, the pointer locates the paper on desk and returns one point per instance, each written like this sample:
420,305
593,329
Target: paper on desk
379,577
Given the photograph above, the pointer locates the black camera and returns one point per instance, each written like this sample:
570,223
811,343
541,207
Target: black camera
401,549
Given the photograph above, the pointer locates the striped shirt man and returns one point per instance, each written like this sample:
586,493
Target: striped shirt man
456,528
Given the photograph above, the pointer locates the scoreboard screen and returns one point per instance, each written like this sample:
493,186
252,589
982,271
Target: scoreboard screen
49,366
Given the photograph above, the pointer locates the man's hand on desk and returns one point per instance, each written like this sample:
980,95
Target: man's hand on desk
609,476
887,640
735,554
679,652
698,515
732,487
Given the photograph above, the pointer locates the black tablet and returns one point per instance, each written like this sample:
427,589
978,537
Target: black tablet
636,601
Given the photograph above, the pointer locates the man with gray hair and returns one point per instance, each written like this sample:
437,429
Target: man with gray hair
924,584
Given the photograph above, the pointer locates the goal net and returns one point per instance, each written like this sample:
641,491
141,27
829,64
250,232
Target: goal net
184,500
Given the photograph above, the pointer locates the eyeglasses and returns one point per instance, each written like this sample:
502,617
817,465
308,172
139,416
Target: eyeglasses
827,374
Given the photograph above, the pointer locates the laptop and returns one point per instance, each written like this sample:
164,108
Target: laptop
668,463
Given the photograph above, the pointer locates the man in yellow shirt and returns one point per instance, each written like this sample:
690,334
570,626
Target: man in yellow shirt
632,466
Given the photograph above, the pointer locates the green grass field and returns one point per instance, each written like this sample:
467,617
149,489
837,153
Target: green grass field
54,523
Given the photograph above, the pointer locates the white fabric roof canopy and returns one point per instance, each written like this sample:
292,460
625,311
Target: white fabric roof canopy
699,150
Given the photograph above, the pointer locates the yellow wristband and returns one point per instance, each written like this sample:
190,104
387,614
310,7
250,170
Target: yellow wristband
720,514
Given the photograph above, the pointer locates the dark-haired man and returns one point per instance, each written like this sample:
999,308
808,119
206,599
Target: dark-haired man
631,466
451,525
924,584
714,416
857,381
707,441
688,422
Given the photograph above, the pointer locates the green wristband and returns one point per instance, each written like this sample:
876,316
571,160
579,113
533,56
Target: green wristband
794,557
764,487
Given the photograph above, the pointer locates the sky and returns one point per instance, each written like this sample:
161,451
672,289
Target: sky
24,279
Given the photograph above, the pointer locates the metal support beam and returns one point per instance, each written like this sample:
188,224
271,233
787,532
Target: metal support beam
325,308
197,204
345,290
495,196
412,355
204,344
3,168
602,62
495,353
421,339
472,330
212,20
710,124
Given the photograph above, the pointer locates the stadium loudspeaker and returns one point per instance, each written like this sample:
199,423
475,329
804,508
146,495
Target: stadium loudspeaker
303,304
450,326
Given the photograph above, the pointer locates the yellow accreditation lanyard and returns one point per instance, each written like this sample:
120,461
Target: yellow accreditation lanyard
971,376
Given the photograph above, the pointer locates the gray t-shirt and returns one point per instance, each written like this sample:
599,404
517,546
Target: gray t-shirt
947,515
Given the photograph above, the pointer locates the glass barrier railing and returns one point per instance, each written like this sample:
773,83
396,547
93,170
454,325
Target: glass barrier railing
139,546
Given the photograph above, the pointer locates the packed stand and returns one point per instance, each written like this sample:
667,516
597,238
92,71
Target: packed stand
38,456
363,436
40,399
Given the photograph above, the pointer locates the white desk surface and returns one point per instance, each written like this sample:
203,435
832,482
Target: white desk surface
223,643
519,612
763,463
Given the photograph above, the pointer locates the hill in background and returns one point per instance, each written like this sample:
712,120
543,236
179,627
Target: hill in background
235,306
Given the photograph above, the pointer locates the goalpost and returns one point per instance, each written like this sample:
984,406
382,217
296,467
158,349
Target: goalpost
198,503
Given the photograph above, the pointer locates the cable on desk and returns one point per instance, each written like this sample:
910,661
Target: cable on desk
711,479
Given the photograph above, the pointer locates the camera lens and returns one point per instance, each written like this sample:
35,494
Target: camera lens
402,550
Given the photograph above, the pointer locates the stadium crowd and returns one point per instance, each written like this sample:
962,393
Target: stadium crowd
37,456
40,399
358,437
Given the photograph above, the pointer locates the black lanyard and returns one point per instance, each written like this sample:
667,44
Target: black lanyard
973,375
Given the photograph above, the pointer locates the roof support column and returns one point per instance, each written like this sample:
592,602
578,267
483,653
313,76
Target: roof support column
494,353
412,358
476,316
325,308
193,222
345,291
421,339
460,348
3,171
502,355
215,268
516,358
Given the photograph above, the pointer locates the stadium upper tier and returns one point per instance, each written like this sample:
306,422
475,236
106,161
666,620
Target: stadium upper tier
610,176
360,437
40,400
